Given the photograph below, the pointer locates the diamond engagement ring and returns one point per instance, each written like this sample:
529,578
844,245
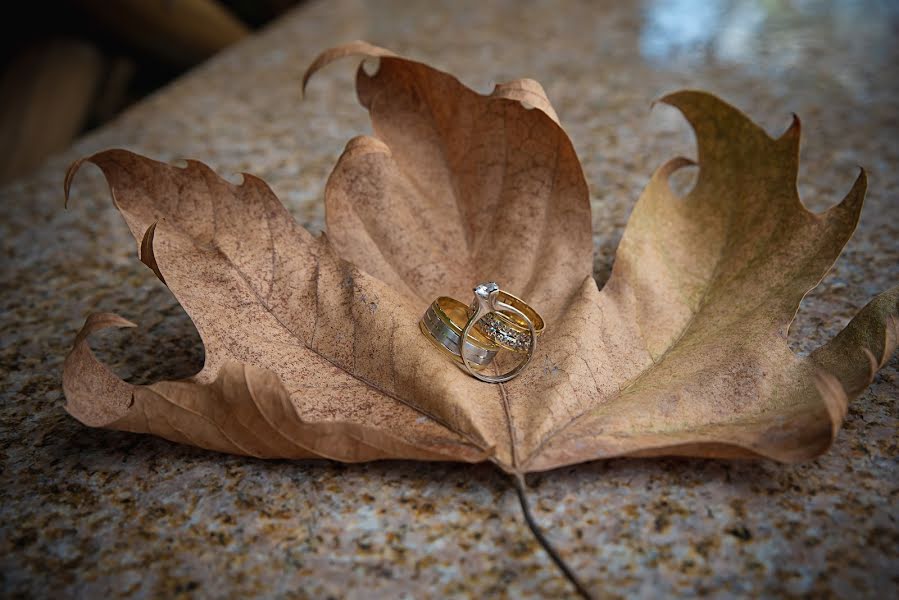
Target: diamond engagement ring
489,300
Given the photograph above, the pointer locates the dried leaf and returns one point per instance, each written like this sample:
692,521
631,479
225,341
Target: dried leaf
312,344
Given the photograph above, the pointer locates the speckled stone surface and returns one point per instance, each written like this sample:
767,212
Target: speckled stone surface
93,513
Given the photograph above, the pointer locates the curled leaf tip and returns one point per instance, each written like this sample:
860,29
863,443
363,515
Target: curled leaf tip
673,165
849,209
99,321
250,180
196,165
670,98
146,253
355,48
364,144
789,140
94,394
836,403
529,93
726,135
794,130
856,353
70,176
682,96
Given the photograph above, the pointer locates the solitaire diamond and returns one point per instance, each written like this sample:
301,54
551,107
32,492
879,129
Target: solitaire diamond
483,290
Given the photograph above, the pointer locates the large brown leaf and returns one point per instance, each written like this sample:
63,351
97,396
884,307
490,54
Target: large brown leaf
312,344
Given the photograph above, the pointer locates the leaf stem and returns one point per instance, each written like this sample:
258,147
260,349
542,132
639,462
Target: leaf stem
518,482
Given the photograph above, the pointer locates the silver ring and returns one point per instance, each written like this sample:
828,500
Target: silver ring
486,302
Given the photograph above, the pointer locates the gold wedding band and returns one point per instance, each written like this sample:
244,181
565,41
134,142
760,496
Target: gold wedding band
442,323
496,320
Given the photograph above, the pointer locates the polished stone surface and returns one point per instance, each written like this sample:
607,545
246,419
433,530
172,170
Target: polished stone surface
93,513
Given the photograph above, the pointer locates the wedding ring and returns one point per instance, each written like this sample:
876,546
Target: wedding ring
443,322
507,329
490,300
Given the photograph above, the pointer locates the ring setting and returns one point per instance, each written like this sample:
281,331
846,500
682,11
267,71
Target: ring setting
494,321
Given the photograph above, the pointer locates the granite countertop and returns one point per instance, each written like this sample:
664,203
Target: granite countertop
94,513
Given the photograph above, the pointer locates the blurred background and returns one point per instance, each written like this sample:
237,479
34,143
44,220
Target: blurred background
68,66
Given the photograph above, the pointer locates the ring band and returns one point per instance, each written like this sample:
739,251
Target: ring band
443,322
507,329
487,301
